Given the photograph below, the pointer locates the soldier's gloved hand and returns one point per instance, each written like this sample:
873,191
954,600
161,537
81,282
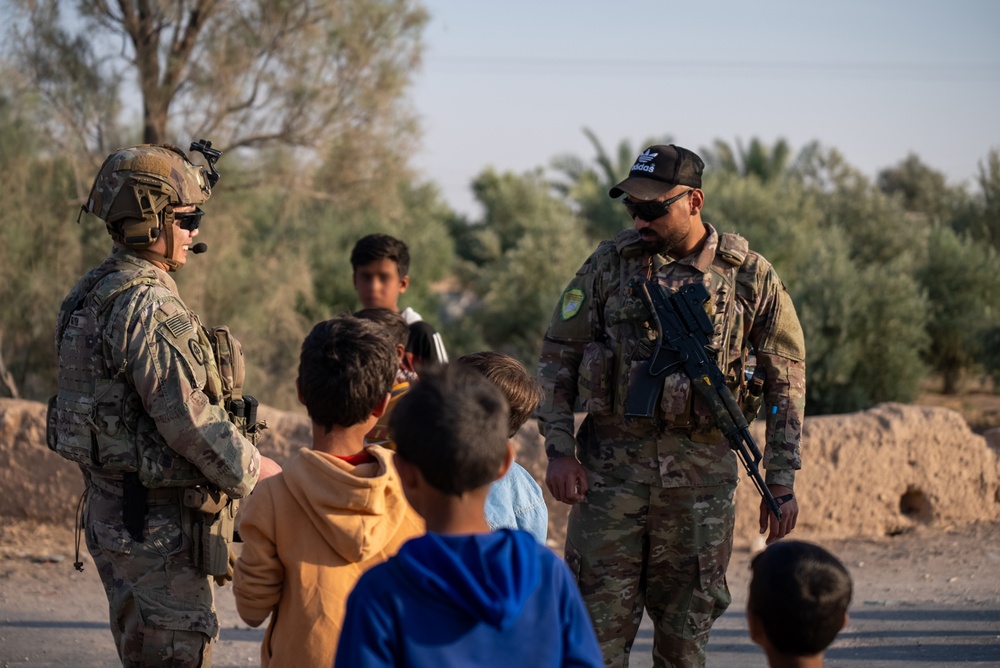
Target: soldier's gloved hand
221,580
566,479
789,514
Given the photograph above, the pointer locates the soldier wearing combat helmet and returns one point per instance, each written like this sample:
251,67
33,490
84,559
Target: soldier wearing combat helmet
145,407
652,493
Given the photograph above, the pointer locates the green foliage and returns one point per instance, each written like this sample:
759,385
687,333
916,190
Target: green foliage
780,218
963,286
280,264
585,186
863,321
40,254
989,345
979,216
516,261
891,279
922,190
757,159
863,333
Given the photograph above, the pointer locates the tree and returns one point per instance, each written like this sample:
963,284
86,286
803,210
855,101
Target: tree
781,219
517,260
252,73
863,345
963,286
39,246
923,190
757,159
980,215
313,94
585,186
283,263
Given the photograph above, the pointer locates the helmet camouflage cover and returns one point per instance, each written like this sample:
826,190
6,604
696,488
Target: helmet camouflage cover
137,183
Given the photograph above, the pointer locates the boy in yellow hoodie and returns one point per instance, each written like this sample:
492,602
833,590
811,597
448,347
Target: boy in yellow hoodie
334,511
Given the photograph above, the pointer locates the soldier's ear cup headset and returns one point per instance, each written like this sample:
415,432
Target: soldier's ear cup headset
143,203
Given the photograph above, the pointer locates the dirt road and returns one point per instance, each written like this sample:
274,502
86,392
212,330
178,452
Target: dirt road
930,597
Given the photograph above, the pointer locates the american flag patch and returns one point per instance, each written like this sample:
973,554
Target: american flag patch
178,324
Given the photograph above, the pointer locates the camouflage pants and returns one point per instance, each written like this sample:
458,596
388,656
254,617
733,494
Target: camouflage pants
162,608
633,546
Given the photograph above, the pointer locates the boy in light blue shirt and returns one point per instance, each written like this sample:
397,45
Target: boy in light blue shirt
515,501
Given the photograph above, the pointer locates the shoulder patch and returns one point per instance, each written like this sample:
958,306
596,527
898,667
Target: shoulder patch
196,352
178,324
572,299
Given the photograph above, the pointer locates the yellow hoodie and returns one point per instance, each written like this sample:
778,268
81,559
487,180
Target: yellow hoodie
308,535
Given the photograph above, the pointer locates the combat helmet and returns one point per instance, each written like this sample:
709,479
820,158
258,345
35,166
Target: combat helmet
138,187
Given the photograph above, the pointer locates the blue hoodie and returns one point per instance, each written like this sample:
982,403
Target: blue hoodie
480,599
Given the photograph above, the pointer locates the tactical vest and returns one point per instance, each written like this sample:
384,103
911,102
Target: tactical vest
87,418
97,419
621,334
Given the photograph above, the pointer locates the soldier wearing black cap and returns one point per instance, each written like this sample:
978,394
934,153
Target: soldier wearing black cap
652,520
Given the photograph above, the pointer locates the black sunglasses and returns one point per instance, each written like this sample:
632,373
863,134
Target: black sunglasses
650,211
189,220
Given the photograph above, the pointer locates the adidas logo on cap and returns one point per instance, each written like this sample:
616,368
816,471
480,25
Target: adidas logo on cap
642,162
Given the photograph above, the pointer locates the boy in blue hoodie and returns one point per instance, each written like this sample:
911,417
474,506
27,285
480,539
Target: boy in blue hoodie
461,595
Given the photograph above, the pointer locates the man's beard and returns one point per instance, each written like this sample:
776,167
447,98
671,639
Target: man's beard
662,245
657,245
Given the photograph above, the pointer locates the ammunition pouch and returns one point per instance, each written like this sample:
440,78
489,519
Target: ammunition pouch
675,404
210,518
641,390
242,408
669,399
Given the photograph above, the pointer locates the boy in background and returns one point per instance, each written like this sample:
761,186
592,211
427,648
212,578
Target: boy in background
334,511
515,501
381,266
798,601
462,595
397,331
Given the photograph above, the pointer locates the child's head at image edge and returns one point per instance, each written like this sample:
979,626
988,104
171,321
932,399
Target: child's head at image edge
799,595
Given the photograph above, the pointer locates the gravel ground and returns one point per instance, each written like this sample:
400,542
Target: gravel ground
931,597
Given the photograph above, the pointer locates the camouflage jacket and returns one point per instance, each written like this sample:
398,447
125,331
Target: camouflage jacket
600,332
135,368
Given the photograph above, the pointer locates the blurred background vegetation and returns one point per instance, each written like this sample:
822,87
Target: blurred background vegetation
895,279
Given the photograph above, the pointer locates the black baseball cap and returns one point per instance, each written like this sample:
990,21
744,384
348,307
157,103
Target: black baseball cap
658,169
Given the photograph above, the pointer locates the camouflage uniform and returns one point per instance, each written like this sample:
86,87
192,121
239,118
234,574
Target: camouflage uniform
656,527
138,401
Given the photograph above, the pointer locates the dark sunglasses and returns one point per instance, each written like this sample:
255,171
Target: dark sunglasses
189,220
650,211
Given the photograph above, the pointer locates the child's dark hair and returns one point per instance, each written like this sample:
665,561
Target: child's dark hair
452,425
381,247
394,324
346,367
512,378
800,592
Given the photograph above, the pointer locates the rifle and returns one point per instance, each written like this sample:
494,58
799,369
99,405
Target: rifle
684,342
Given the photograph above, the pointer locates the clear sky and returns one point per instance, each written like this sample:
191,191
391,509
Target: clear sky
512,83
